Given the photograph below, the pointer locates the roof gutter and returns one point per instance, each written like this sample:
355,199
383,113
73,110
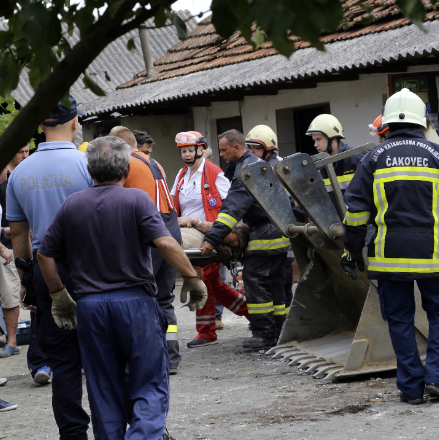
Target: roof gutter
146,49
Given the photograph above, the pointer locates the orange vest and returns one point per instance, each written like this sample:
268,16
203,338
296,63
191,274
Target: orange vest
211,198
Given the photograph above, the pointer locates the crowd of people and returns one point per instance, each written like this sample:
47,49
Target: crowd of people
104,303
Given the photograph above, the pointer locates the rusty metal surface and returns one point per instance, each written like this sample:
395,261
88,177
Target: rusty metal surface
303,181
259,180
334,327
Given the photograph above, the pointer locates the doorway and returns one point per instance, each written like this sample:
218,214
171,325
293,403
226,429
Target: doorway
226,124
303,117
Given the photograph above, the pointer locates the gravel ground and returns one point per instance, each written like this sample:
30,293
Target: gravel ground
223,392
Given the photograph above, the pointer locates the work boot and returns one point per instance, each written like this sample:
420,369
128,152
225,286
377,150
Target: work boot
257,342
411,400
432,389
219,324
173,369
201,342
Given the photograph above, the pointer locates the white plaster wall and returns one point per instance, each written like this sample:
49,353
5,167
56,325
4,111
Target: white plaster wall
355,103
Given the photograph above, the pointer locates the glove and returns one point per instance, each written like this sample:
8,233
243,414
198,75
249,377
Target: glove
348,261
197,290
63,309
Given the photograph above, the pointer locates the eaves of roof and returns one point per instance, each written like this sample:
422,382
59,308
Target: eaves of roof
373,49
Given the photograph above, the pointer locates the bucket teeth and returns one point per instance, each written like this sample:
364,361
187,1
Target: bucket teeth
287,356
321,372
296,360
333,373
317,365
284,352
277,348
305,362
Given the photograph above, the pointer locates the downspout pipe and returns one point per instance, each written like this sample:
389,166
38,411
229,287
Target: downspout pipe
146,49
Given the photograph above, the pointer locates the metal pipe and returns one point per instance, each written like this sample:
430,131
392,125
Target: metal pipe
146,49
292,229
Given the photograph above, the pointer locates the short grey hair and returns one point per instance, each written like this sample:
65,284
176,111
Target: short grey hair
209,152
108,158
233,137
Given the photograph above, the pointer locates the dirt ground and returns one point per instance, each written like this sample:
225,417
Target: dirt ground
222,392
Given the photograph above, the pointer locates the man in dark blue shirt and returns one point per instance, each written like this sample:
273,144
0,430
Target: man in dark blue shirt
119,321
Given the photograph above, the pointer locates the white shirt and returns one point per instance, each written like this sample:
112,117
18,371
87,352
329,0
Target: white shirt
190,199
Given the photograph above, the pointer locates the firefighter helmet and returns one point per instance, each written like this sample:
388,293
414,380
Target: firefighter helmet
405,107
263,136
326,124
190,138
377,127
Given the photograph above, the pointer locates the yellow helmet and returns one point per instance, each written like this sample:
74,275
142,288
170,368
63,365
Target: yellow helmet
264,136
326,124
83,147
405,107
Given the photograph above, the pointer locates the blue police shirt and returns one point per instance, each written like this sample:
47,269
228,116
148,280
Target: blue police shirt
40,184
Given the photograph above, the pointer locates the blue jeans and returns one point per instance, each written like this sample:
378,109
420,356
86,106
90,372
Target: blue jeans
398,307
118,329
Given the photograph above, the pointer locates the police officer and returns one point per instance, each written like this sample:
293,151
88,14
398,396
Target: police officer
327,132
264,260
396,188
36,189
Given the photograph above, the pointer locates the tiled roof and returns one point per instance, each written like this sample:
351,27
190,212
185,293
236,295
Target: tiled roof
344,56
116,59
205,49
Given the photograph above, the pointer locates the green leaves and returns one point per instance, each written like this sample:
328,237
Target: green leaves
130,44
9,112
180,25
91,84
413,10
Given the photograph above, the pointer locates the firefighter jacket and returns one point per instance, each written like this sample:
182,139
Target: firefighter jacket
344,169
396,188
264,239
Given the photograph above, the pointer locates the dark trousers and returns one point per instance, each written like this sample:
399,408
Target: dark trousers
165,276
264,284
116,330
36,358
62,350
398,307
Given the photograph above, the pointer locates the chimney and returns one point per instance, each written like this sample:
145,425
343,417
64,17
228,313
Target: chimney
146,49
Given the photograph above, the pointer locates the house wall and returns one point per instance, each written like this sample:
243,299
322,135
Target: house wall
163,129
355,103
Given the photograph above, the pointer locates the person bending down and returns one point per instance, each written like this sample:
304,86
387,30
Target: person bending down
119,320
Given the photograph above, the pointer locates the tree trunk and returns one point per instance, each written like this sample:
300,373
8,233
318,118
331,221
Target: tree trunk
50,91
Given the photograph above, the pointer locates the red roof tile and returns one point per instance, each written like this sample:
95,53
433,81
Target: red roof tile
205,49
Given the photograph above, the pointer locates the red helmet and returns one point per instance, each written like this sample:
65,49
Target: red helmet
188,138
378,127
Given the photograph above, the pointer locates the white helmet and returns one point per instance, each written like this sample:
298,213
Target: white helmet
326,124
405,107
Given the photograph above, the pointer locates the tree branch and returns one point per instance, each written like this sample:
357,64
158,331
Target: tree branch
105,30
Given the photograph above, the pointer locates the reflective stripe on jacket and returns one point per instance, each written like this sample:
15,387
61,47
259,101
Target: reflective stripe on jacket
396,188
344,169
264,237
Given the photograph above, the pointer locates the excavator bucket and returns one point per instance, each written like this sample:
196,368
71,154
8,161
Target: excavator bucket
334,327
